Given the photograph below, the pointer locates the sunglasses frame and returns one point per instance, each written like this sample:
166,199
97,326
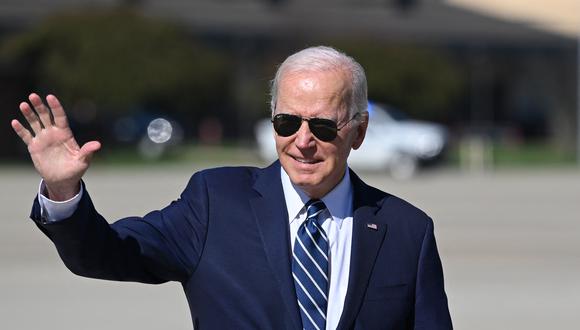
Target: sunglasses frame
314,124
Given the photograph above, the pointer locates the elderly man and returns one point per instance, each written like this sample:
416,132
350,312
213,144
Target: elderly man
303,243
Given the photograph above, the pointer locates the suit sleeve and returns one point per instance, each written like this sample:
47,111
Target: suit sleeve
164,245
431,308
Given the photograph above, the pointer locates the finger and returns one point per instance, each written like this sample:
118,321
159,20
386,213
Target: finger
45,115
31,117
41,110
24,134
89,148
58,113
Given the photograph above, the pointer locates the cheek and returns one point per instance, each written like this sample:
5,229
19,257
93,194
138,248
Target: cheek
333,159
341,148
281,143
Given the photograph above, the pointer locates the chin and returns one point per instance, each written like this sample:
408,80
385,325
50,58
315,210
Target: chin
304,180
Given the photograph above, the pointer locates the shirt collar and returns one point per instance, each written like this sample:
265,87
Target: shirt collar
338,201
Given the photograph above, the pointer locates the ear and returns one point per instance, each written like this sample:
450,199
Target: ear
361,130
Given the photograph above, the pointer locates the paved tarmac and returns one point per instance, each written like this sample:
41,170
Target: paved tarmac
509,242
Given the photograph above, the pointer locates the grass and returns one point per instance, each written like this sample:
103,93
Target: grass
521,155
198,155
531,155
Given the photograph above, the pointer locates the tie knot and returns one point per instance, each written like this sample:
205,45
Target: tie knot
313,208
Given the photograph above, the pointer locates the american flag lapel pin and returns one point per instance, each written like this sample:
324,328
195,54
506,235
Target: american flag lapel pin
372,226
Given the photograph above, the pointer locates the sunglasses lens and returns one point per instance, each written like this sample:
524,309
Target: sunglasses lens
323,129
286,125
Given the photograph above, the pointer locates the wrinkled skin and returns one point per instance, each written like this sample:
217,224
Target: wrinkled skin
56,155
313,165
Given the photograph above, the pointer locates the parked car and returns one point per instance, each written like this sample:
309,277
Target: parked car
393,142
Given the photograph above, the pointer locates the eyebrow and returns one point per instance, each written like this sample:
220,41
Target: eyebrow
307,117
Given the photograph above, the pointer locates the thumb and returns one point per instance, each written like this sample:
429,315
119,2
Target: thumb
89,148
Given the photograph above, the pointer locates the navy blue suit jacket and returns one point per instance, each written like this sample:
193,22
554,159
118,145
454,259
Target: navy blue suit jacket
226,239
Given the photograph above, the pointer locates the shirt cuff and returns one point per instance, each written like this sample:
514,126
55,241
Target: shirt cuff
54,211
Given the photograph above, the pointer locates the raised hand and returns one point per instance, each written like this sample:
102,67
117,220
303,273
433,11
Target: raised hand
54,151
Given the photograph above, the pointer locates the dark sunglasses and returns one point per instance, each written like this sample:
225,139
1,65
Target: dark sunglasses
323,129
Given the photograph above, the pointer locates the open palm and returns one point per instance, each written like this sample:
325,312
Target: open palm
54,151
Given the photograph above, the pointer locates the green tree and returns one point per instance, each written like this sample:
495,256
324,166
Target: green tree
422,82
121,60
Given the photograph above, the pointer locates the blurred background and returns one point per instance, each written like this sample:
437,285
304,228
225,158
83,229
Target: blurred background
475,117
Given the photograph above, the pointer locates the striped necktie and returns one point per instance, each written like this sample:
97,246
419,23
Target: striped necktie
310,268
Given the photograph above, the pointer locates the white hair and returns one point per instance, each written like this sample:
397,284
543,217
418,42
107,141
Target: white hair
323,58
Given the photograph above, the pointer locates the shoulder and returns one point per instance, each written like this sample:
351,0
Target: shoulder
238,179
391,209
231,177
401,214
227,173
396,205
405,220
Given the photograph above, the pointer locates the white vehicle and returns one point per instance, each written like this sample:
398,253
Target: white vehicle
392,143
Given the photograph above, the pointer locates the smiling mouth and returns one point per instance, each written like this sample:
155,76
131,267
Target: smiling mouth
305,161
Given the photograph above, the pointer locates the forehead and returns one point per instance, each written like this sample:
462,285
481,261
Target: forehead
313,93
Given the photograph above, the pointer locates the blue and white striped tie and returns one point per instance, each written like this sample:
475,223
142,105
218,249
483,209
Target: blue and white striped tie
310,268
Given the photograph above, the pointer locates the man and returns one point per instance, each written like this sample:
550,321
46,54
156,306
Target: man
303,243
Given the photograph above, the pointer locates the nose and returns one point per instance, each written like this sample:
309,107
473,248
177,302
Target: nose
304,138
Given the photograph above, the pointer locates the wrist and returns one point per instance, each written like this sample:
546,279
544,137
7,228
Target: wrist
59,193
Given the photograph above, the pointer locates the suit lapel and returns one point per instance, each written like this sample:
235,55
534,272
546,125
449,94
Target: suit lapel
367,237
272,221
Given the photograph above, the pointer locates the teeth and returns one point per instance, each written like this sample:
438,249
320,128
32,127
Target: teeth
305,161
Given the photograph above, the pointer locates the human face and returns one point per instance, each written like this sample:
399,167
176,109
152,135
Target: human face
314,165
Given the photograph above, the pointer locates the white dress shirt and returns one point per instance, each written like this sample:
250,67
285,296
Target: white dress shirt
338,227
54,211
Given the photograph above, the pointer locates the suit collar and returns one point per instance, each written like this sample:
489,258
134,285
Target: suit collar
272,221
367,237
